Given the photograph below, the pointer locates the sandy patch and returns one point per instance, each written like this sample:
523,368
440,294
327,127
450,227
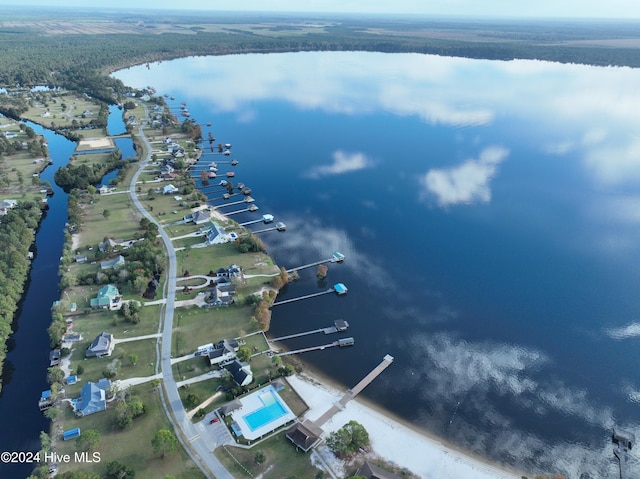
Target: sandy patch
393,441
95,144
75,241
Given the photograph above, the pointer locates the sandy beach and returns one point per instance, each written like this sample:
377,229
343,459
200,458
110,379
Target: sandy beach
393,441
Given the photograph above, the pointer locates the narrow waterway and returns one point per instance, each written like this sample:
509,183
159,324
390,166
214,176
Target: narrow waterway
25,369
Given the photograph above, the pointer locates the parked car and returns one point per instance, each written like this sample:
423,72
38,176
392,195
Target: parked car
214,420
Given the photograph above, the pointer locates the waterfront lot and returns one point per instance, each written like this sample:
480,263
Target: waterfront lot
131,446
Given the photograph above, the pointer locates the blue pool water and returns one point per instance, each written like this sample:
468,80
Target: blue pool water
271,410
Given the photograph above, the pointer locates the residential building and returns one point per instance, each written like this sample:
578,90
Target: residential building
240,372
101,346
107,296
117,262
93,398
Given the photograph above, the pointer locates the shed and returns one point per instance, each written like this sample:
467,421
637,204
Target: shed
71,434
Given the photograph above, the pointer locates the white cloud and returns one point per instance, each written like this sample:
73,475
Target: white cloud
342,163
626,332
466,183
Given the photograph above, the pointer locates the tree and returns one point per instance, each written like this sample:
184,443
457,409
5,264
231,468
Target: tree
52,413
244,353
133,359
164,442
88,440
192,400
349,439
260,457
106,213
117,470
322,271
54,375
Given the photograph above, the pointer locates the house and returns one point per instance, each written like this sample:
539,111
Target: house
199,217
224,350
223,294
80,258
240,372
117,262
216,235
104,189
169,190
233,271
371,471
107,296
101,346
115,244
8,204
304,435
93,398
220,355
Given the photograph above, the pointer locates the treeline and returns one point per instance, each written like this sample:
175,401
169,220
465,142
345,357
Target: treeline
79,62
17,233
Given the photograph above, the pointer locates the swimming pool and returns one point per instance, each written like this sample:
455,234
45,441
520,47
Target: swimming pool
271,410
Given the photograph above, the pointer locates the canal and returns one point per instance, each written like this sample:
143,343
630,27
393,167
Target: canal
25,369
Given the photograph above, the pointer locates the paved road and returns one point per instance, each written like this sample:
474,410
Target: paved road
189,434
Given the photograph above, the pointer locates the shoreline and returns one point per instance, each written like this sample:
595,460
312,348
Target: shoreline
395,439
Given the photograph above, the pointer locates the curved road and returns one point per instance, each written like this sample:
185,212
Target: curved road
198,448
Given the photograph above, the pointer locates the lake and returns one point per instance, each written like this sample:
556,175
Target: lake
489,214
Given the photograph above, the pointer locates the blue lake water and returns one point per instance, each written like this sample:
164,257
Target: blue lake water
489,215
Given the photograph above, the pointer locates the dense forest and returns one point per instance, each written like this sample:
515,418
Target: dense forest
79,61
17,232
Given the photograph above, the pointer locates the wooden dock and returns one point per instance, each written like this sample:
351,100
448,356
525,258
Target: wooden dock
247,199
329,330
336,258
340,342
300,298
353,392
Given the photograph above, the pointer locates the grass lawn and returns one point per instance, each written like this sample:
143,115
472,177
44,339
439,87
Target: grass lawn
131,446
49,109
281,460
195,326
123,222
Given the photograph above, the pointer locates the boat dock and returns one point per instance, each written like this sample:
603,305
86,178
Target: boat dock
300,298
353,392
340,342
265,219
336,258
247,199
250,208
338,325
278,227
338,288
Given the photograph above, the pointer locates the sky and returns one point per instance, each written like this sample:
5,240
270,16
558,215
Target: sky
625,9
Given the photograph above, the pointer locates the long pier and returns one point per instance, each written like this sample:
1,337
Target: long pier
247,199
264,230
250,208
340,342
353,392
329,330
300,298
336,258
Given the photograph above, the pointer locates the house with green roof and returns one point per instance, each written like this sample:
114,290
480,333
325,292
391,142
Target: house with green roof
107,296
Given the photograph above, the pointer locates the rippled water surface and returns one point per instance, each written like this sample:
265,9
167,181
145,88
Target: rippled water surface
489,213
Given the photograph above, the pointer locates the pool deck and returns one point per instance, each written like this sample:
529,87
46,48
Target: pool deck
252,403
